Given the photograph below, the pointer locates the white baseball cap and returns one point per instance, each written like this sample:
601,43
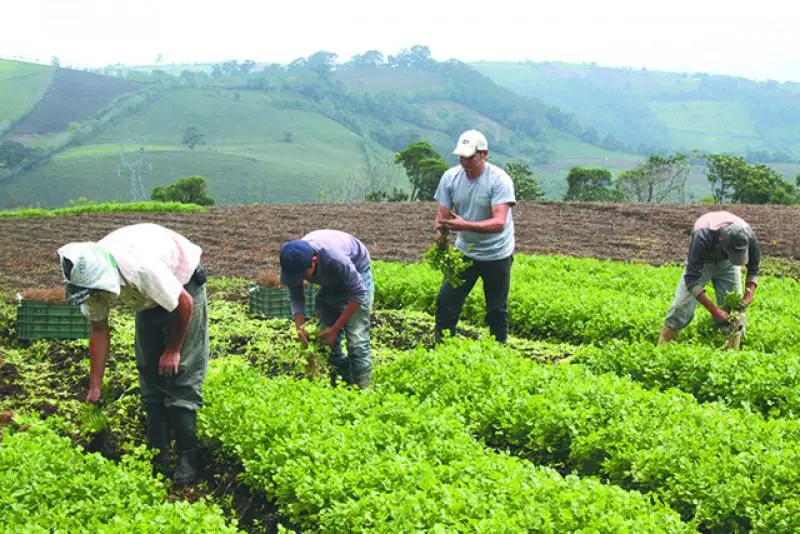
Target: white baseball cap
470,142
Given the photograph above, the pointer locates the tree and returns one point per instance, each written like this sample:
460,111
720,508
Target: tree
230,67
370,58
424,168
732,179
657,179
247,66
321,62
525,185
190,190
192,137
590,184
55,61
12,153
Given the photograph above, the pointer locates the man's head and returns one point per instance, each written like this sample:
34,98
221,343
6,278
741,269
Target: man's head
735,241
472,150
297,262
87,267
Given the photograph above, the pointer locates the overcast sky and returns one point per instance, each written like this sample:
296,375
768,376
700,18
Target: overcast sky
754,39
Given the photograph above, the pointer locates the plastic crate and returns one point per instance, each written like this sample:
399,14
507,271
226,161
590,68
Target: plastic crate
39,320
273,302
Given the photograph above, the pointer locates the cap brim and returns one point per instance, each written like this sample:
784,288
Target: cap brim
465,151
76,295
737,257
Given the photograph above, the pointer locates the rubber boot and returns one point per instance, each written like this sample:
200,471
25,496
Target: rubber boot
668,335
185,423
158,436
342,373
363,381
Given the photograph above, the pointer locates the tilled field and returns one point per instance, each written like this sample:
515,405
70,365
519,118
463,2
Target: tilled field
243,241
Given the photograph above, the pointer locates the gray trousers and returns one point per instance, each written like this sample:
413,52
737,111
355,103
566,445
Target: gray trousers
725,276
152,334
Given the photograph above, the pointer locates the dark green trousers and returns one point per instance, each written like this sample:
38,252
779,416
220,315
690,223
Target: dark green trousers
152,333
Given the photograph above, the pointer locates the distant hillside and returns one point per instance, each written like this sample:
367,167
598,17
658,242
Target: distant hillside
665,111
305,132
71,96
22,85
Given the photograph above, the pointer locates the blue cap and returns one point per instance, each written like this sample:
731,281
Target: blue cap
295,259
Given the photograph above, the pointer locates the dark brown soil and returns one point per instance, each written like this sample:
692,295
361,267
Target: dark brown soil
244,241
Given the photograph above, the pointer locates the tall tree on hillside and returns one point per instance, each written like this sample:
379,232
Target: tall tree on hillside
192,137
424,168
247,66
525,185
590,184
657,180
370,58
417,56
322,62
732,179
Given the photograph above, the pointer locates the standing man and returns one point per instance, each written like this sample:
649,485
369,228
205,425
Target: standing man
475,200
720,243
156,272
340,264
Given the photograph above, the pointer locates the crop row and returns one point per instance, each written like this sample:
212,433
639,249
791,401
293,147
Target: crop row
767,383
592,301
344,461
723,470
47,485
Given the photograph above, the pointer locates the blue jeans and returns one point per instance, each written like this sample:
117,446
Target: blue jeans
725,276
328,306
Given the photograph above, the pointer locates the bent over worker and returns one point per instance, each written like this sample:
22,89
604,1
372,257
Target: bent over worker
719,245
157,273
340,264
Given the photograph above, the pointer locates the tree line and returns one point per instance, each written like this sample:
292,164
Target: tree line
657,180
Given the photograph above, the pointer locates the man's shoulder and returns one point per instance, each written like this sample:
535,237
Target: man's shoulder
498,173
453,172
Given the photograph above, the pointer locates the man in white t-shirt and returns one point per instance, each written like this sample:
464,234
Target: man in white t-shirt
475,200
157,273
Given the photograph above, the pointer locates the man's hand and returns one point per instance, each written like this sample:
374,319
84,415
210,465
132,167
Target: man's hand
93,395
328,336
168,363
748,294
303,336
455,223
719,315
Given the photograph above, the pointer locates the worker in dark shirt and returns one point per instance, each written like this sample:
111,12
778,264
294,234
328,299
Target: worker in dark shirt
340,264
720,244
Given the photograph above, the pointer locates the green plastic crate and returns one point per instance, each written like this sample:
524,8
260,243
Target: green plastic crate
39,320
273,302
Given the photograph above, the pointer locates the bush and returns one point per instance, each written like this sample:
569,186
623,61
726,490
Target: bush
191,190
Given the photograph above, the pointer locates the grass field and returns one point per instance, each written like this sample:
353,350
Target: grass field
670,110
715,126
21,86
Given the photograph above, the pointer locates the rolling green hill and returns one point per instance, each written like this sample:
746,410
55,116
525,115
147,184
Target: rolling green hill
22,85
296,133
669,111
318,130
